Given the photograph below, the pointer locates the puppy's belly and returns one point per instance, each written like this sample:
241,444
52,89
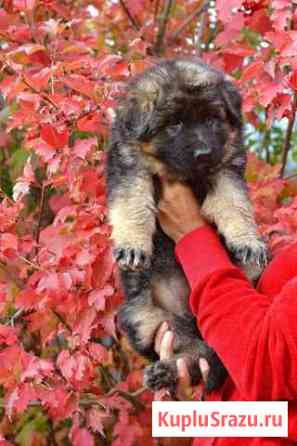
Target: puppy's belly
171,292
169,286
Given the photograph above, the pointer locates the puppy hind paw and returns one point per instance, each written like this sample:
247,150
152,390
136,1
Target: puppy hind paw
161,374
216,376
132,259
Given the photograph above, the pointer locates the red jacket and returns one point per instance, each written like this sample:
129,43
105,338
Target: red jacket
254,332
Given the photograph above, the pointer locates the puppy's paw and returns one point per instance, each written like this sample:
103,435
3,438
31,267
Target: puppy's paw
216,376
132,259
161,374
251,251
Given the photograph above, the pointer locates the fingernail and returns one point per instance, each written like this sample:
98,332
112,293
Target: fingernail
181,367
203,365
165,326
204,368
168,335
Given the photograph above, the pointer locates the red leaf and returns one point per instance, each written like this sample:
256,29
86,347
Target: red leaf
98,297
85,325
225,9
268,91
83,146
90,123
98,352
136,6
260,21
102,268
95,419
18,400
253,69
53,137
40,78
8,335
59,402
24,5
293,80
8,242
82,437
81,84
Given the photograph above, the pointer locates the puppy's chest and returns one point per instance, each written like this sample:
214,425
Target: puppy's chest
162,166
200,184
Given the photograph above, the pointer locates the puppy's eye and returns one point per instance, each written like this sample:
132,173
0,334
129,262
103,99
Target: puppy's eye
173,130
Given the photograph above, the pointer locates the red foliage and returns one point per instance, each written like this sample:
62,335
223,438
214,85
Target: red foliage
63,69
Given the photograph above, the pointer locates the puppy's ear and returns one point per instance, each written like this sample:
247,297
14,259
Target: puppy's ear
232,101
137,118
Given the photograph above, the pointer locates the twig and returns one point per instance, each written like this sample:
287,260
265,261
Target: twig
196,13
130,17
45,97
289,177
33,265
41,210
163,21
203,23
131,397
61,319
156,10
19,313
287,143
9,38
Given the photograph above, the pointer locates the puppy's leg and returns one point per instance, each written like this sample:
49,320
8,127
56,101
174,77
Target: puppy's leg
139,317
131,207
171,292
228,206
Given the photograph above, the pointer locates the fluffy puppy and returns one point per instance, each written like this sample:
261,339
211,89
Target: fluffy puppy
181,119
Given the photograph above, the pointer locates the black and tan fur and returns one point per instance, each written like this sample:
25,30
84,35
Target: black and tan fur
181,119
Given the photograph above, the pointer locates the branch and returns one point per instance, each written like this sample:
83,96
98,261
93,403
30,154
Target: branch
195,14
62,320
290,177
41,210
156,10
133,21
163,21
130,397
287,143
45,97
203,23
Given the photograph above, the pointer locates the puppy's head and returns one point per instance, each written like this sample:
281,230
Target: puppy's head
186,110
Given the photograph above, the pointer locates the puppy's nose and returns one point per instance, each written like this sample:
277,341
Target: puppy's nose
202,149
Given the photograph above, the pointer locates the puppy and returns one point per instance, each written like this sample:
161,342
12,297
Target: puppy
181,119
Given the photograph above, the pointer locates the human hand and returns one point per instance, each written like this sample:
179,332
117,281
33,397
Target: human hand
164,341
179,212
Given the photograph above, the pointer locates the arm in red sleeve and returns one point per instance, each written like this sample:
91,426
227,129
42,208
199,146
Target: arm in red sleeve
254,335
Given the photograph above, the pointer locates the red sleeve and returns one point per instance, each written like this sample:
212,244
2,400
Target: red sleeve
254,334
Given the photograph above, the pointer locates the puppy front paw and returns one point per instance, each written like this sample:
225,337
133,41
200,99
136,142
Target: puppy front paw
133,259
251,250
252,255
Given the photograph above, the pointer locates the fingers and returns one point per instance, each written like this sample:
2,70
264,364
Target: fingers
204,369
184,389
166,348
159,336
184,378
